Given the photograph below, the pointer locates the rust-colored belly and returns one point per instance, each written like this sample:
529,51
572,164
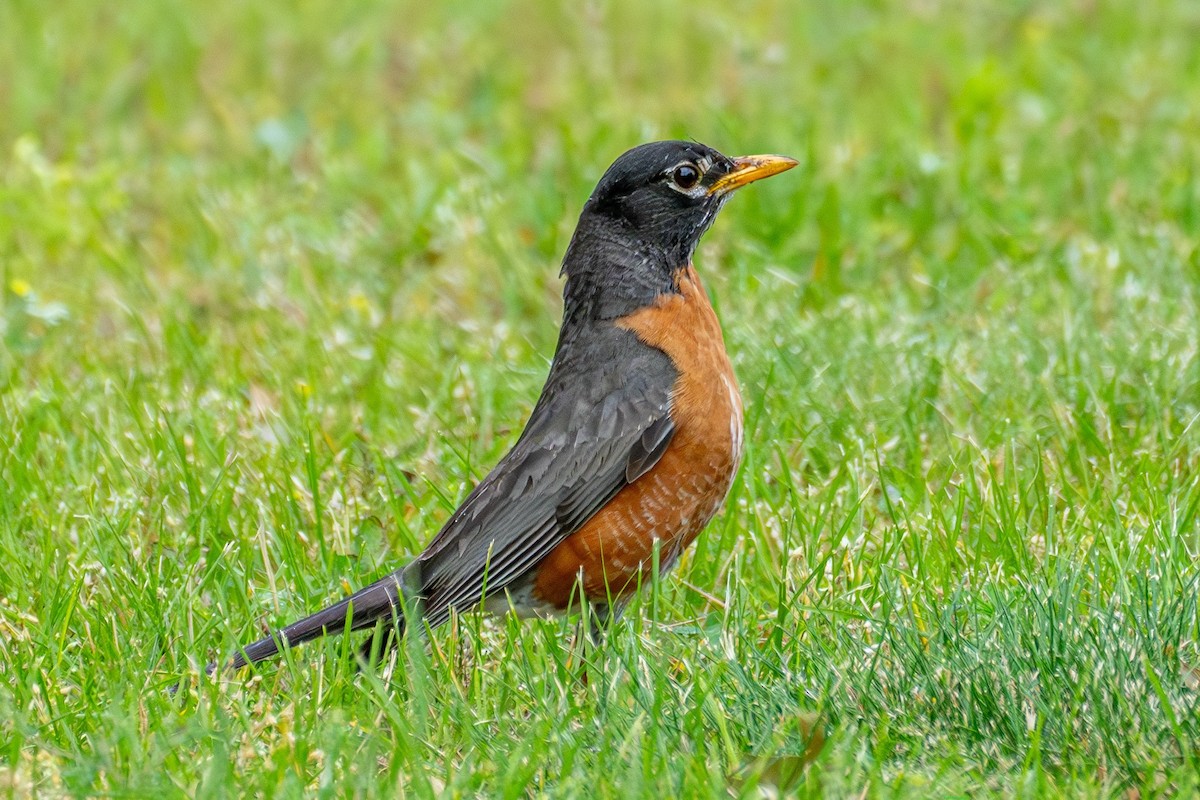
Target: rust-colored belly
672,502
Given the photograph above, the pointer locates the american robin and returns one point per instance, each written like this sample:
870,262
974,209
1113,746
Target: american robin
634,441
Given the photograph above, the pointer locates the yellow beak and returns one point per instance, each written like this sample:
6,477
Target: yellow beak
748,169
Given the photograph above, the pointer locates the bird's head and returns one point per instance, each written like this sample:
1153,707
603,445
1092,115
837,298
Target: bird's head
646,215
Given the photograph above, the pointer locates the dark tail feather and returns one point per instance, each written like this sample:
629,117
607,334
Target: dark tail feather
380,600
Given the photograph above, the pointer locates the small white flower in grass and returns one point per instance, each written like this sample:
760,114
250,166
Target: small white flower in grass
929,162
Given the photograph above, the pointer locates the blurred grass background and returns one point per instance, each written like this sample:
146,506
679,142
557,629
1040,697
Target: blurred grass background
279,282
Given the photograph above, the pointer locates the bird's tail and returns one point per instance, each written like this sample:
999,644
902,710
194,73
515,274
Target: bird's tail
364,608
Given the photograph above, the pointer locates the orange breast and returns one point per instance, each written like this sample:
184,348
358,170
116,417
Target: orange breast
674,500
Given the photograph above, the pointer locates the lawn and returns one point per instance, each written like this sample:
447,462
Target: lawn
279,283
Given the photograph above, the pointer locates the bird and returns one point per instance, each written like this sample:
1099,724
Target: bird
632,446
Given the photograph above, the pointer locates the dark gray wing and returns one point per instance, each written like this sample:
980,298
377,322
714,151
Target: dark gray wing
599,426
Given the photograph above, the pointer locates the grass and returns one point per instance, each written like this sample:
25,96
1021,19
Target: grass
279,283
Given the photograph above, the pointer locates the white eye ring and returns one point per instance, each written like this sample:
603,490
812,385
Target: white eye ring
685,176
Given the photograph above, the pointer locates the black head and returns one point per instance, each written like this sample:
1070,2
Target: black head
647,214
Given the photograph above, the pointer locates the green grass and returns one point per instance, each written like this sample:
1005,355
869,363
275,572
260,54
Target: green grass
278,282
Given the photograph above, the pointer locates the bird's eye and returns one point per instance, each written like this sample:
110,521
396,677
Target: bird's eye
685,175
